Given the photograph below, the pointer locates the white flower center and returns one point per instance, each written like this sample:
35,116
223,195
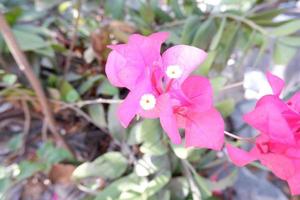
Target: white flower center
148,101
174,71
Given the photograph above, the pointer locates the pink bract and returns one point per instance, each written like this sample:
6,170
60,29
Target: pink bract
181,101
278,145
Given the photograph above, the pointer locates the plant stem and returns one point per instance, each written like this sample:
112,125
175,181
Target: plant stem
244,21
238,137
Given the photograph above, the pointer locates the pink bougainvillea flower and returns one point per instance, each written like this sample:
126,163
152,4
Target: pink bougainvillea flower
278,145
160,87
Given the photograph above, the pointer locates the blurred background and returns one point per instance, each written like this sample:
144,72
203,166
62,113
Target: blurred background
85,153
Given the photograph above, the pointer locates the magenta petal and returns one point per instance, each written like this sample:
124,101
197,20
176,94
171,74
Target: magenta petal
294,102
276,83
280,165
167,118
238,156
128,108
187,57
142,50
205,129
294,184
268,118
198,89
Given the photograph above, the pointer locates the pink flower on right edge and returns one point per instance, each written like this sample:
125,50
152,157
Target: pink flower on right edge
278,145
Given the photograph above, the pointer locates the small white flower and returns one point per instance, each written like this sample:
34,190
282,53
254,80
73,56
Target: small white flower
174,71
148,101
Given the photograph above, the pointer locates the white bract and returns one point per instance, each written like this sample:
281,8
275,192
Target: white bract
174,71
148,101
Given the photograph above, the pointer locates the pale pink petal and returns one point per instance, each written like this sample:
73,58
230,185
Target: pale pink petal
280,165
121,72
198,89
268,118
276,83
294,184
238,156
167,118
205,129
185,56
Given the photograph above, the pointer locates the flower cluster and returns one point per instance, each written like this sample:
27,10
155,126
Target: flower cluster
278,145
160,86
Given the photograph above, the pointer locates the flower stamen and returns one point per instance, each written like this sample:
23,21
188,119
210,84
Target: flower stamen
174,71
148,101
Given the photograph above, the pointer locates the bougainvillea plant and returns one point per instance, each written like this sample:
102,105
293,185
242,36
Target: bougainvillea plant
161,86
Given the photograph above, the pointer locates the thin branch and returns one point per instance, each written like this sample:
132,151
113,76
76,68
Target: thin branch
244,21
25,67
234,85
238,137
74,37
96,101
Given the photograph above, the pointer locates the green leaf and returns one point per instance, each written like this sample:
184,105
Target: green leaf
283,53
151,164
179,188
45,51
110,165
176,9
62,8
105,88
29,41
189,28
201,36
13,15
9,79
218,83
156,184
205,190
113,191
89,83
206,65
292,41
50,154
29,168
224,183
115,8
287,28
216,40
97,113
226,107
115,128
68,93
15,142
181,151
150,135
266,15
147,13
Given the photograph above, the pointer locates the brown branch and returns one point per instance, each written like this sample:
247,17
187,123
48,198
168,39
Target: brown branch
25,67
